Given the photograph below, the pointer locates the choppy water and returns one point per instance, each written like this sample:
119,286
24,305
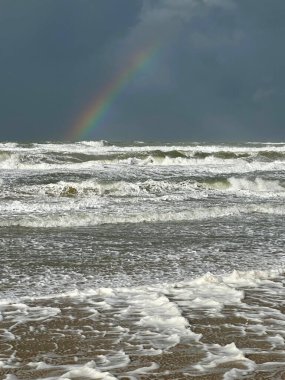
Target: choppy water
137,261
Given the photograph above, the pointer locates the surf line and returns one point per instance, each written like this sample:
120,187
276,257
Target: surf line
90,118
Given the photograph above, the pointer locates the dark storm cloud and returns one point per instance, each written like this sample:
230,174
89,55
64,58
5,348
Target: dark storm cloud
52,57
218,72
225,63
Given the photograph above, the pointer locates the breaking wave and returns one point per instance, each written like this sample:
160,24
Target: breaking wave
85,219
85,154
256,185
92,187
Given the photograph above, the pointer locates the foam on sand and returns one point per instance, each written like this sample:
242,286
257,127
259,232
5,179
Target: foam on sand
151,321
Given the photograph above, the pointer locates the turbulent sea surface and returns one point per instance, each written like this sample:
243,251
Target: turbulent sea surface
142,261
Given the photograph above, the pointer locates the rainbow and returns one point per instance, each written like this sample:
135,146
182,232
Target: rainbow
90,118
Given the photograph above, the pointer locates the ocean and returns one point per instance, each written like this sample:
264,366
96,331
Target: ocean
142,261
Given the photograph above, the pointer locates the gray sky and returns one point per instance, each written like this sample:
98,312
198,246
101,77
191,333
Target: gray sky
218,73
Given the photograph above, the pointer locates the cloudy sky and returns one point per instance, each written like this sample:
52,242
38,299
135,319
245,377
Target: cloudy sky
217,72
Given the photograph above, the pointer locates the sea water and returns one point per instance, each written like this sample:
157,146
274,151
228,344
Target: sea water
142,261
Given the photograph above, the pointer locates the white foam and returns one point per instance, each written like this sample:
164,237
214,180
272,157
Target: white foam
162,323
87,371
217,354
143,370
22,313
276,341
257,329
236,373
40,365
10,377
113,361
6,335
